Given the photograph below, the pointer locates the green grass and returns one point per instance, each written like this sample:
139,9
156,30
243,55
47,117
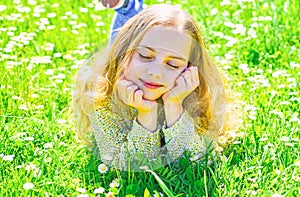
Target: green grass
40,53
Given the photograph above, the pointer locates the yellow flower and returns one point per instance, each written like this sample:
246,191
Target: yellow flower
110,194
102,168
297,163
99,190
222,140
219,149
28,186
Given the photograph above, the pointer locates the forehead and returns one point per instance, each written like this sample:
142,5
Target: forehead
168,39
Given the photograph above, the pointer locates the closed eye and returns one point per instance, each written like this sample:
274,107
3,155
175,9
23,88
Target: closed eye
145,57
175,63
173,66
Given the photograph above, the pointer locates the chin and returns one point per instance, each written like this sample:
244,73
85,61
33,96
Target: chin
150,97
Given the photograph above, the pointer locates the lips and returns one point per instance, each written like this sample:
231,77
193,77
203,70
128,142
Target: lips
151,85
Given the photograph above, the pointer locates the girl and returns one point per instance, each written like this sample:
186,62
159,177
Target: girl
154,94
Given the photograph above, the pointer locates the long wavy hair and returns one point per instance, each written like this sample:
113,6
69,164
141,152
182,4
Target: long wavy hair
95,83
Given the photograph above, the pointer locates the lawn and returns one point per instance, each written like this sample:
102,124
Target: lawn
255,43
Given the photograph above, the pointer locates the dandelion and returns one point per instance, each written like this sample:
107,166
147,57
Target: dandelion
47,159
37,172
263,139
294,65
39,107
18,167
214,11
83,10
99,190
296,178
294,118
56,5
107,157
222,140
57,55
158,194
41,60
244,68
297,163
49,47
251,33
8,157
81,190
23,107
23,9
51,15
76,181
48,145
34,95
16,98
100,24
28,186
219,149
239,29
82,195
32,2
49,72
225,2
144,168
102,168
284,139
289,144
61,121
231,41
115,183
30,167
61,76
109,194
61,133
75,32
3,7
278,113
277,195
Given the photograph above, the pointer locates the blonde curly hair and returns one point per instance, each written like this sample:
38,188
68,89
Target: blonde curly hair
213,111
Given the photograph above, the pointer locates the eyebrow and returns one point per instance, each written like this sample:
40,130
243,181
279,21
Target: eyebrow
169,56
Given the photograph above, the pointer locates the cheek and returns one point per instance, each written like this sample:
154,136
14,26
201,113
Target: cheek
173,77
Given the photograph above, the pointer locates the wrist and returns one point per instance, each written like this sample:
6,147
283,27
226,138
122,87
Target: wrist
148,119
172,113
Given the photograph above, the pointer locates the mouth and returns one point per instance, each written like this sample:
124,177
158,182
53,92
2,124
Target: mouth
151,85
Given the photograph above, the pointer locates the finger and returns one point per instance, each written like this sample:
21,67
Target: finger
138,96
180,81
130,93
194,75
187,77
120,89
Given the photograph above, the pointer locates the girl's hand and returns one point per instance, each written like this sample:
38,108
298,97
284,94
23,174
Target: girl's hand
131,95
185,84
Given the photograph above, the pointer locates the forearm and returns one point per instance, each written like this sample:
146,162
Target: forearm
172,112
182,136
148,119
141,140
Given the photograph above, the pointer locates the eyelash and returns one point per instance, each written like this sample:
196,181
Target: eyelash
175,67
149,58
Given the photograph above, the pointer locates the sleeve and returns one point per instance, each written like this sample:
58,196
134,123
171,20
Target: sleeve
116,142
183,136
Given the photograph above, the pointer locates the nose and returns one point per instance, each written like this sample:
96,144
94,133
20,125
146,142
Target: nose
155,71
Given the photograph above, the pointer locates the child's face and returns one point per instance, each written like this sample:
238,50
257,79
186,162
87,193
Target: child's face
161,56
